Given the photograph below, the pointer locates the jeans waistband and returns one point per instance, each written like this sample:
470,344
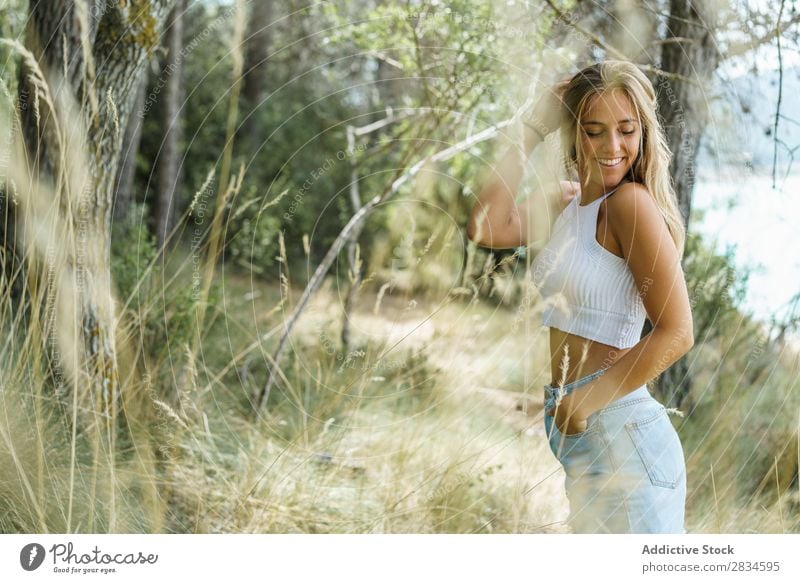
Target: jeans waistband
554,394
569,387
551,392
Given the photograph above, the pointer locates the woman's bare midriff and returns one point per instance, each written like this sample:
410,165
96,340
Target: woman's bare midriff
584,356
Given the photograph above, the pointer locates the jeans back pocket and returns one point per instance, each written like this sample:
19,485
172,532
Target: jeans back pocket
659,448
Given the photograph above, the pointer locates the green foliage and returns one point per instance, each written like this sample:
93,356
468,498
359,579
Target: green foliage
133,249
716,287
458,52
252,240
465,62
456,60
12,25
151,289
174,321
206,68
313,172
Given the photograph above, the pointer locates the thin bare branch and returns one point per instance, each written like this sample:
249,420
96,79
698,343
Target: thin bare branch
780,98
615,53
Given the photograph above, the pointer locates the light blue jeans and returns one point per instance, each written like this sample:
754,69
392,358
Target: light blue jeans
625,473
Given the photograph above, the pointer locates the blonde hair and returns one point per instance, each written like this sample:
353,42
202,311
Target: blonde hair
651,167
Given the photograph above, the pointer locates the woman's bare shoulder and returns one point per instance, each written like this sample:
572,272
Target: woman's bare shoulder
569,190
629,197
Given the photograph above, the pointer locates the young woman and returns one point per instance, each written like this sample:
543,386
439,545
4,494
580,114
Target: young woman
612,258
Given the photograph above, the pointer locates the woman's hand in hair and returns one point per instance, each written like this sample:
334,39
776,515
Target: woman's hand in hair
545,115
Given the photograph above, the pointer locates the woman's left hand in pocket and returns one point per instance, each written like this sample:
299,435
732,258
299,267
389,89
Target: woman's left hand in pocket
570,418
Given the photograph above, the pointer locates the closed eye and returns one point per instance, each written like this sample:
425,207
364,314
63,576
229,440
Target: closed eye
595,134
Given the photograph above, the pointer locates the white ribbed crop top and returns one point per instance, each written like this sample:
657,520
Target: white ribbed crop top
587,290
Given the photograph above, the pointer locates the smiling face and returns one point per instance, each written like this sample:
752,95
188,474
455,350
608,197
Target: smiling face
610,136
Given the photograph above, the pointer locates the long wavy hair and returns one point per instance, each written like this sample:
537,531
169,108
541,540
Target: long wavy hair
651,167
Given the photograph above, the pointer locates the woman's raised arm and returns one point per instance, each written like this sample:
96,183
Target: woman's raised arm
496,221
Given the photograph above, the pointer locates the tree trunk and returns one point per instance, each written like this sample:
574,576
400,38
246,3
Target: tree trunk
259,34
169,164
68,44
682,104
130,146
683,108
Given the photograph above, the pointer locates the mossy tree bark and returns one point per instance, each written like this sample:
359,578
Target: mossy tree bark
92,55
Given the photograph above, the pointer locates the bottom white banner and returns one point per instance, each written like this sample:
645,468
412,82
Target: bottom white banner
398,557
